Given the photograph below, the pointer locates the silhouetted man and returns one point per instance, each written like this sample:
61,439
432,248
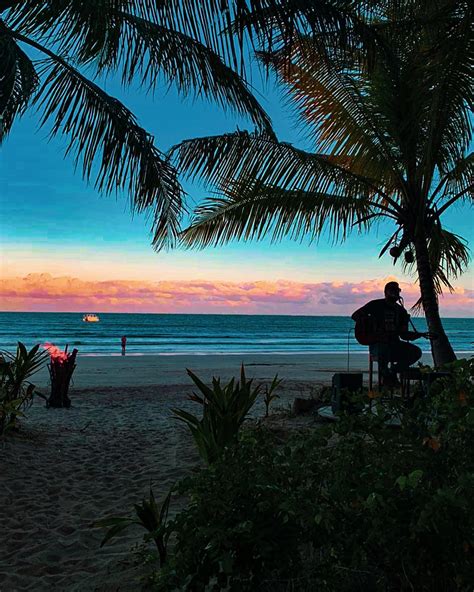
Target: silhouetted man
389,322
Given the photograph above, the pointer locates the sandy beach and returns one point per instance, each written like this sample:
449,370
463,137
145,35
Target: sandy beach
71,467
158,370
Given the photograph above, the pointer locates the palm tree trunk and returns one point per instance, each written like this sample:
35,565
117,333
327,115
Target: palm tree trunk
441,348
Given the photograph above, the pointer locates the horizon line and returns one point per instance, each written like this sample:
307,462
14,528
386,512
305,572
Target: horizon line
234,314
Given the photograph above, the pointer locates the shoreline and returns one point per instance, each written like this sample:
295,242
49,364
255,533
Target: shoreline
152,370
461,353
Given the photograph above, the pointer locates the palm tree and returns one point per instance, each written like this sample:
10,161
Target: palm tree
46,49
386,99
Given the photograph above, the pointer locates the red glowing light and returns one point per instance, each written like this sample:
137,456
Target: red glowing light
56,354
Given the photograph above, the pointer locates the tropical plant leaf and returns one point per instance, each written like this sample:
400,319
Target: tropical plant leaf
102,132
449,257
449,87
458,183
19,81
336,112
224,409
152,52
253,211
242,156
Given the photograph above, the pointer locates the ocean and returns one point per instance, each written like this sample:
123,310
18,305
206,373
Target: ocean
169,334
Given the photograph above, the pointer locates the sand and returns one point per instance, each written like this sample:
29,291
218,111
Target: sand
71,467
148,370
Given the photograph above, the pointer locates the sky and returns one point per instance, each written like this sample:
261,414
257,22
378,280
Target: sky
64,247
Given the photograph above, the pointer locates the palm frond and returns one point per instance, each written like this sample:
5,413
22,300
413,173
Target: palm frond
222,160
458,180
8,68
124,35
334,106
253,210
85,28
449,257
18,81
448,61
104,138
153,52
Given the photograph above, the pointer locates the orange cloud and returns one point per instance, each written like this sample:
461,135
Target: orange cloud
43,292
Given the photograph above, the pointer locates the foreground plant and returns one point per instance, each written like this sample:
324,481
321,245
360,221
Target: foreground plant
350,506
346,507
270,395
149,515
224,410
16,391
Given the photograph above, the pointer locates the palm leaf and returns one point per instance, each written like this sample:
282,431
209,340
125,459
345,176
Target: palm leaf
223,160
448,61
457,182
449,257
152,51
104,136
88,27
254,210
124,35
335,109
19,81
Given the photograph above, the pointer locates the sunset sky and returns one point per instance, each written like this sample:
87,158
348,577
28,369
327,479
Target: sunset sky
66,248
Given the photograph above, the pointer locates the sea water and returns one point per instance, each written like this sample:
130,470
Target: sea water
169,334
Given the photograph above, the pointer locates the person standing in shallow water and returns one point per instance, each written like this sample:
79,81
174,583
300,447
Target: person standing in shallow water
390,323
124,344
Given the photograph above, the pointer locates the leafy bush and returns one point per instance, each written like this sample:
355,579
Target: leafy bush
16,392
351,506
224,410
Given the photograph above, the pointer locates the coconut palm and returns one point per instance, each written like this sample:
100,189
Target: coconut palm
53,55
387,105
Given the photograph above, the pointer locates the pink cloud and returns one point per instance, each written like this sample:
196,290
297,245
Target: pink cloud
43,292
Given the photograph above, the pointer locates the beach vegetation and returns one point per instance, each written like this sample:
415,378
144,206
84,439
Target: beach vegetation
224,410
269,394
56,57
16,391
351,505
383,92
151,516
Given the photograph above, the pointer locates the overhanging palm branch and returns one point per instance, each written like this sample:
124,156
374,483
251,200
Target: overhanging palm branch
334,107
458,183
253,211
107,36
243,157
19,81
449,257
449,66
149,51
98,125
118,36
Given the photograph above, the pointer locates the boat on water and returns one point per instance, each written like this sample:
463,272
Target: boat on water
90,317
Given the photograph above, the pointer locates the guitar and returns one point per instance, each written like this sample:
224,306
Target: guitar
367,333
